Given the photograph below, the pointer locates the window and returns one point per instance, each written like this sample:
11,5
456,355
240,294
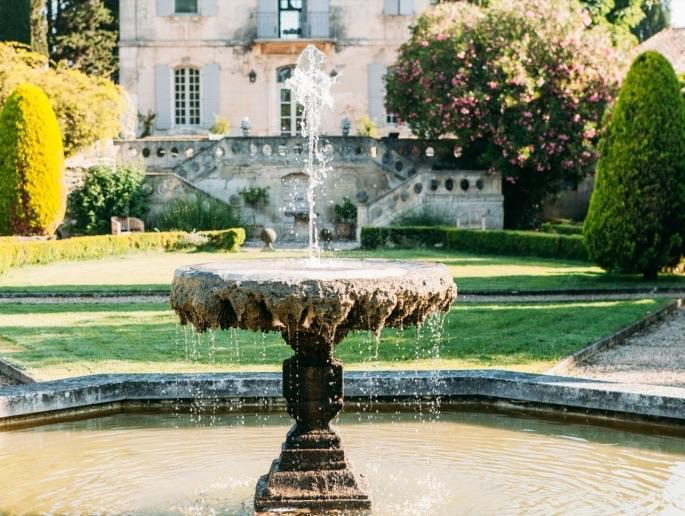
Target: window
398,7
390,118
290,19
290,110
187,96
185,6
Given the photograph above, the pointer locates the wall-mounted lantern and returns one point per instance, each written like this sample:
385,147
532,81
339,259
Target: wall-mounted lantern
253,76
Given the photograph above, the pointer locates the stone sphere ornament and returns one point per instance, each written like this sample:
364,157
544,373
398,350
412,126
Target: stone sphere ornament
268,236
313,305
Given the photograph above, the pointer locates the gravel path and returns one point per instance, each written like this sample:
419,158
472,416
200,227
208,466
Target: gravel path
654,356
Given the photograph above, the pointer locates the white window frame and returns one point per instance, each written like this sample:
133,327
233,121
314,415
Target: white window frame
295,109
188,107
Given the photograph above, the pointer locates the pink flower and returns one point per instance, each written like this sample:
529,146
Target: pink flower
441,37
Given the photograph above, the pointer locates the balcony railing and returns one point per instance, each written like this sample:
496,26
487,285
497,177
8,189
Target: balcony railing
313,25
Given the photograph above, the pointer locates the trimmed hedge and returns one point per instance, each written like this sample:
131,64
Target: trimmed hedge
511,243
562,229
15,252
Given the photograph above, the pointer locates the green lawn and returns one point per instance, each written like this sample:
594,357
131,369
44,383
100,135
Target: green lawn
154,271
58,340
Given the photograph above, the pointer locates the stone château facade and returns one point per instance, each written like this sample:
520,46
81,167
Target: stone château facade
187,61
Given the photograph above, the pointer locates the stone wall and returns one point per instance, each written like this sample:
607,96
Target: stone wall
383,178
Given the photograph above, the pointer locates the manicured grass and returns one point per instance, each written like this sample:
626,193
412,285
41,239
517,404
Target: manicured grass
59,340
154,272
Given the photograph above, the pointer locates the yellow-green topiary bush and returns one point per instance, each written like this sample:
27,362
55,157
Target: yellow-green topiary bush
89,109
32,184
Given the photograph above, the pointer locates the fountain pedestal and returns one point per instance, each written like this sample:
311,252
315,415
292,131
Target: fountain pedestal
312,471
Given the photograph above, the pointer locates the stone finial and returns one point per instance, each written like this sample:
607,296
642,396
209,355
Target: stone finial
345,126
246,126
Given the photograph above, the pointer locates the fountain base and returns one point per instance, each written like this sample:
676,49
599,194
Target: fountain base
289,486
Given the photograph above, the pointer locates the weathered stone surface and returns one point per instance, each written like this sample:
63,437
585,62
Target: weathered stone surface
376,387
299,299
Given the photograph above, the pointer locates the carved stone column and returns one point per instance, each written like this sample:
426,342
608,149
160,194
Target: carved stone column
312,471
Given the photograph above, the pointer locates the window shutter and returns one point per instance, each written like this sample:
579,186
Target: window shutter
319,17
377,93
267,19
163,96
208,7
391,7
165,7
407,7
209,97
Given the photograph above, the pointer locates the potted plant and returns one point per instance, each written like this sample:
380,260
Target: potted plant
255,198
345,220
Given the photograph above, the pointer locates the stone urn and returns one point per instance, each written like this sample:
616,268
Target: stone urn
268,236
313,306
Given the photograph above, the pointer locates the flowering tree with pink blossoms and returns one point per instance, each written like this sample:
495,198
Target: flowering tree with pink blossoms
523,81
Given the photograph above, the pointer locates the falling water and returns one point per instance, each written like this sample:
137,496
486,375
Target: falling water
311,87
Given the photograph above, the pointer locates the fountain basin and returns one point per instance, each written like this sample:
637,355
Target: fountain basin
328,298
430,463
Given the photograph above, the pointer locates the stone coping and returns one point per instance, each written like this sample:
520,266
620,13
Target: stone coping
44,401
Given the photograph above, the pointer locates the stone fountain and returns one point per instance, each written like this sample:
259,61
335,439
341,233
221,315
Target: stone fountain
313,304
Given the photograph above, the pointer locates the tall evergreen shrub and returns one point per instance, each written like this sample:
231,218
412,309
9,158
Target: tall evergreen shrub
32,184
15,21
636,220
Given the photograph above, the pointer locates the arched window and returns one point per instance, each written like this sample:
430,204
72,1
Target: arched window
290,110
187,96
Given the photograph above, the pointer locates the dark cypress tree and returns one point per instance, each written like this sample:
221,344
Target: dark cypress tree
636,220
15,21
84,36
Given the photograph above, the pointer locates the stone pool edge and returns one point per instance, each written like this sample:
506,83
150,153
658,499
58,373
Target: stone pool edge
46,401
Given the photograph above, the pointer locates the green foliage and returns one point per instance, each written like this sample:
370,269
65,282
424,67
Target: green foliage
107,192
15,21
367,127
657,18
85,37
562,229
222,125
525,81
147,122
16,253
255,197
425,217
507,243
636,219
190,214
32,184
345,212
89,109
